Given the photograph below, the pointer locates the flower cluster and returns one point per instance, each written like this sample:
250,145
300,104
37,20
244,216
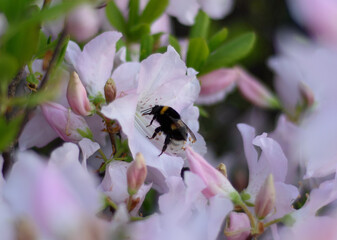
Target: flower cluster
103,124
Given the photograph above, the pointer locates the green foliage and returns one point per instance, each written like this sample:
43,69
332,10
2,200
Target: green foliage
115,17
8,67
217,39
8,131
133,12
153,10
174,43
197,53
146,46
139,30
201,25
230,52
86,134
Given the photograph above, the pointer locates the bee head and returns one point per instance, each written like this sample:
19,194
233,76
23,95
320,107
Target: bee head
153,110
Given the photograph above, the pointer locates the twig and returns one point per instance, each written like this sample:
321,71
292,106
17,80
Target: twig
15,82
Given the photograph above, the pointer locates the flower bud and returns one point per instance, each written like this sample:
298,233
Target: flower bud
265,199
216,182
83,23
69,126
215,85
237,226
77,96
110,90
136,174
255,92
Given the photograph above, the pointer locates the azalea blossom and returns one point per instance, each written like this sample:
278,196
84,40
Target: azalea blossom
184,213
161,79
271,161
301,61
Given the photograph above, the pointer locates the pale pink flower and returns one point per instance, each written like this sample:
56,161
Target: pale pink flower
57,200
95,63
115,186
314,65
161,79
271,161
184,213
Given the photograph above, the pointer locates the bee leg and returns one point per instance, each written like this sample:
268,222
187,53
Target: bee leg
167,141
154,117
156,131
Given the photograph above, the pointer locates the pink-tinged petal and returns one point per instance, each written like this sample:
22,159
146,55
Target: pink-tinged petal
286,194
125,78
184,11
82,22
37,132
215,85
82,182
216,9
136,174
162,24
88,148
65,123
265,199
72,53
218,209
320,17
312,228
94,64
216,182
97,126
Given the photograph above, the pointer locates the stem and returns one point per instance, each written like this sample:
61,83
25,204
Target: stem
277,220
111,203
249,214
103,155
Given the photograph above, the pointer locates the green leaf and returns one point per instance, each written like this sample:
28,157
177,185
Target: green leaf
200,27
217,39
8,67
139,30
146,46
8,131
44,45
197,53
62,52
85,133
23,45
115,17
133,13
230,52
153,10
174,43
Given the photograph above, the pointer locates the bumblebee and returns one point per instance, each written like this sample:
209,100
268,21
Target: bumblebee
170,124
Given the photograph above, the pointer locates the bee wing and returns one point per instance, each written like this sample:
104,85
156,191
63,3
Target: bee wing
182,124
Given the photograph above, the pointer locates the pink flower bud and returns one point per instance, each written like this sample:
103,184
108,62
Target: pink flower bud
136,174
69,126
216,182
255,92
216,84
237,227
265,199
77,96
110,90
83,23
